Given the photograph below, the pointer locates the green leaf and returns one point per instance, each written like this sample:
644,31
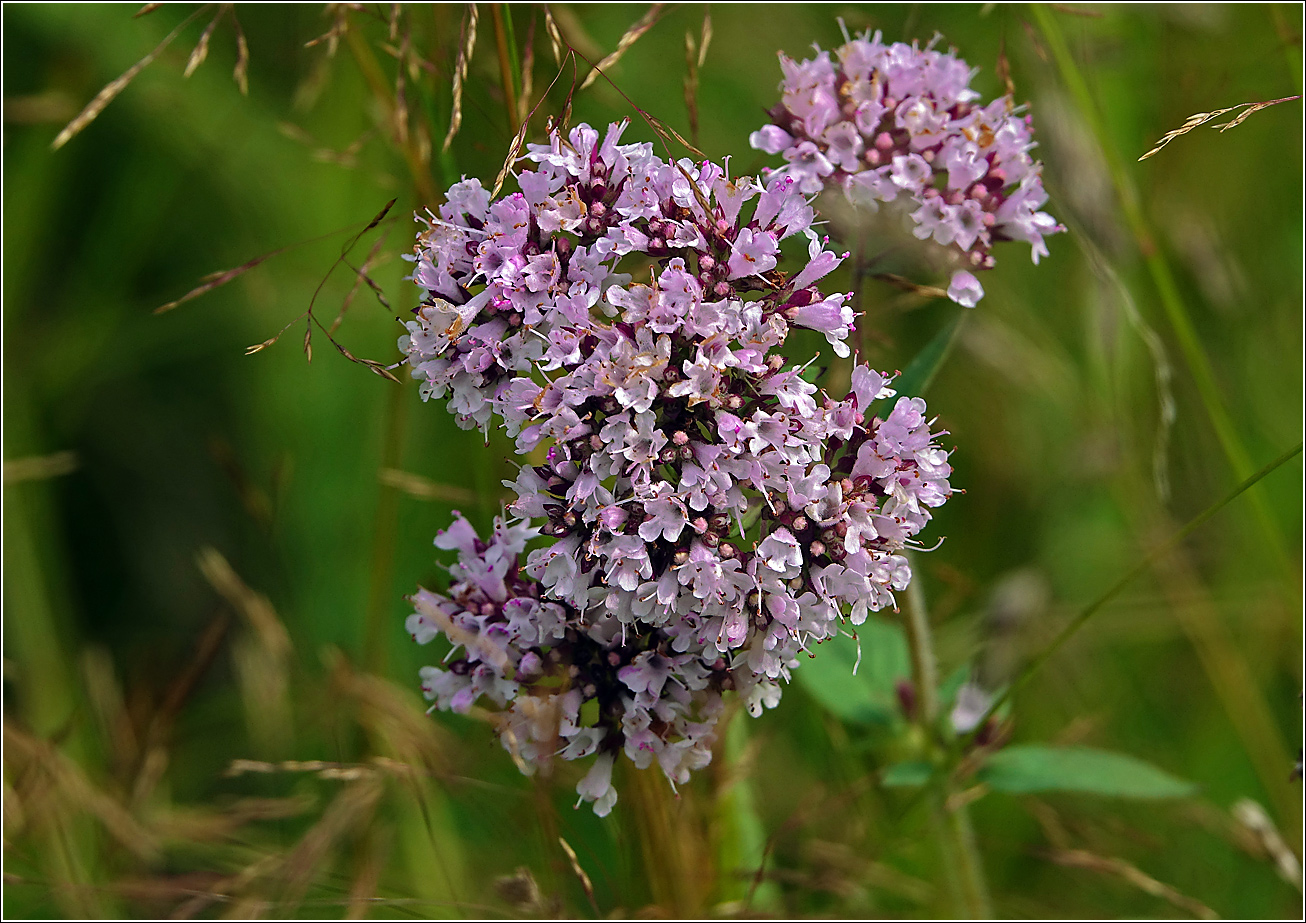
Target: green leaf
926,364
1034,768
911,774
870,697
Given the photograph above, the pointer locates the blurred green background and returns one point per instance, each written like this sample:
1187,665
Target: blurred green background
205,558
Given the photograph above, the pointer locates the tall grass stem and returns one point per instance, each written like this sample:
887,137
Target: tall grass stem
1148,561
1195,357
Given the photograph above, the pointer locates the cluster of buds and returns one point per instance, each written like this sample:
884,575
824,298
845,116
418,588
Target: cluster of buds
895,123
704,514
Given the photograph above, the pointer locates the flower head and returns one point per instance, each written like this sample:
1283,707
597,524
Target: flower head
900,124
706,514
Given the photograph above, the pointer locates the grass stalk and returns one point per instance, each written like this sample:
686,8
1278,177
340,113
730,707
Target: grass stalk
506,55
380,624
1147,562
382,92
740,838
1190,345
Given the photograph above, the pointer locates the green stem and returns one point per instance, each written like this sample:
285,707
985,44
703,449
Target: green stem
740,847
949,823
970,871
924,668
505,65
675,858
380,595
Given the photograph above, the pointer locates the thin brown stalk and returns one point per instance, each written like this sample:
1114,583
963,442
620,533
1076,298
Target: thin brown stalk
361,276
1003,69
401,100
420,488
631,36
519,139
217,279
372,365
527,73
514,150
907,285
585,883
1083,859
664,132
691,85
114,87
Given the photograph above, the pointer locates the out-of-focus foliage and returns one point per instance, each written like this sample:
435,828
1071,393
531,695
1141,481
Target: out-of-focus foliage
216,573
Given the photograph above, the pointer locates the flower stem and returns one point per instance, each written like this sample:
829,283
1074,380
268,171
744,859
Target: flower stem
675,860
924,669
949,822
970,869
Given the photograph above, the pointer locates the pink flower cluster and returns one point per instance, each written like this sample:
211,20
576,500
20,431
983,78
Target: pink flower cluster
708,514
895,123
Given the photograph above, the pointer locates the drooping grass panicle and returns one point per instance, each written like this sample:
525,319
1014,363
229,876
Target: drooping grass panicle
628,38
1132,875
555,37
361,277
116,86
240,73
340,25
1198,119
